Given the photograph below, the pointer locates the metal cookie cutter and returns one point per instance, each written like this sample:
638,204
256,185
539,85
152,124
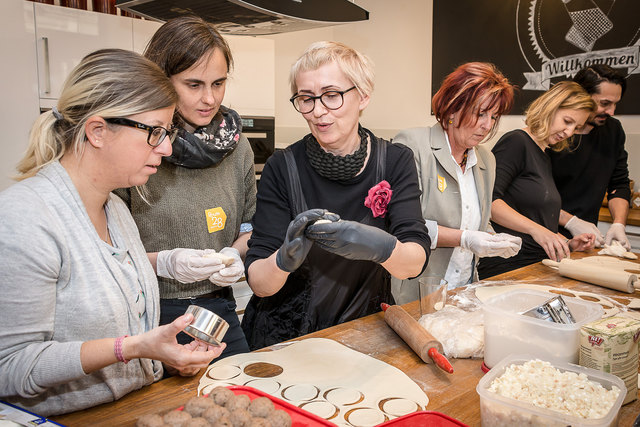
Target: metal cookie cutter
206,326
553,310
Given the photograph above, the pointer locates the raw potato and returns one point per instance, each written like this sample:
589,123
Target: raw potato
226,259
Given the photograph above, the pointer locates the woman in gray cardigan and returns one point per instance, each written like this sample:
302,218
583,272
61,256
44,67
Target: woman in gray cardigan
456,175
80,305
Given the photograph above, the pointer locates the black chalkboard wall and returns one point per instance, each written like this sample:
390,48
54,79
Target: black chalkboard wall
536,43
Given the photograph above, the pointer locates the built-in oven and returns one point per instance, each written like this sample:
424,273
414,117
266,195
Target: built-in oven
260,131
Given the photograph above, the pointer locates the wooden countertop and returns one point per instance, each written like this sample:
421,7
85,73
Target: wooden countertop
454,395
632,219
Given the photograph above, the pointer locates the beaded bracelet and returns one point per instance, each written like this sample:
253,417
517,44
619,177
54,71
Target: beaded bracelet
117,349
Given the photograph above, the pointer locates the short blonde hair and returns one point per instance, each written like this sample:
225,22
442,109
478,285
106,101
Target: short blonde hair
356,66
107,83
563,95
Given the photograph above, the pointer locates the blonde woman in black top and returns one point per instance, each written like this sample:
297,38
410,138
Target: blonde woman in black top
526,202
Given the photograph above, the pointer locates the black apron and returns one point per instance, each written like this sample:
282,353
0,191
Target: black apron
316,295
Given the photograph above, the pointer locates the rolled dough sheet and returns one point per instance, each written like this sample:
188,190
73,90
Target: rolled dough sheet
328,379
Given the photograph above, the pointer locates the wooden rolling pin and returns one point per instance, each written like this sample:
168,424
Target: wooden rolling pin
596,274
421,342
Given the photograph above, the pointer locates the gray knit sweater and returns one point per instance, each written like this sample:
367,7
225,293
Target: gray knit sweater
61,286
181,198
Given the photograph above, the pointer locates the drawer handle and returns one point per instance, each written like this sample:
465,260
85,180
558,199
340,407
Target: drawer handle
47,74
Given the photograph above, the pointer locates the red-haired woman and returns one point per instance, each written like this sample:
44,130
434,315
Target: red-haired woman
456,175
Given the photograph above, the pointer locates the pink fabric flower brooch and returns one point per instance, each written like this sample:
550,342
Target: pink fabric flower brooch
378,198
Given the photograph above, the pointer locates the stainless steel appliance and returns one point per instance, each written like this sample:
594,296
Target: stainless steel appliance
260,131
252,17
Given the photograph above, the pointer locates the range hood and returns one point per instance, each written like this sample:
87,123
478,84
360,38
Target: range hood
252,17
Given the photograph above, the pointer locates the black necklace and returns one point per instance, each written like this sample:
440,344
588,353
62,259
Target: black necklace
463,163
336,168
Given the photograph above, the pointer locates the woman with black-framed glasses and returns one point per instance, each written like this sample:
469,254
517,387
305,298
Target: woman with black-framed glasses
156,134
309,275
80,301
203,196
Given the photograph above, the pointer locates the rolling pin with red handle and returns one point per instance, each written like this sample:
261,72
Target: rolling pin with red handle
421,342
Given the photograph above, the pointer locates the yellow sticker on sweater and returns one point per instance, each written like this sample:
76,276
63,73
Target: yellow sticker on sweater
442,184
216,219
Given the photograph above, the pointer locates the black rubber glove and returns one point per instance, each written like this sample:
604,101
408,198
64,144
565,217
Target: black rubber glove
296,246
353,240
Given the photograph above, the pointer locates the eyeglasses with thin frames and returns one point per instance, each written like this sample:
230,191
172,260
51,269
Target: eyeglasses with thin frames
156,135
331,99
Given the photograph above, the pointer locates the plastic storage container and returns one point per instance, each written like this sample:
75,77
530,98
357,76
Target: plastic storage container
506,331
496,410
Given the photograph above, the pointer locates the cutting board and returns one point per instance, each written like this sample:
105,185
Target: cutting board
326,378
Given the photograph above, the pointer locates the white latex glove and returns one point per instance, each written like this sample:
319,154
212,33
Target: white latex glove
229,275
187,265
617,232
578,226
486,245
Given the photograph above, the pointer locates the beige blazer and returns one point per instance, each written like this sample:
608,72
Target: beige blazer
441,203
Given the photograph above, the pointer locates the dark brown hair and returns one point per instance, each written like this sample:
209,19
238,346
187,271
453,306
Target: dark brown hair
467,88
591,77
182,42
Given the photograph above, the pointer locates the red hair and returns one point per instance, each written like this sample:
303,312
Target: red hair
468,88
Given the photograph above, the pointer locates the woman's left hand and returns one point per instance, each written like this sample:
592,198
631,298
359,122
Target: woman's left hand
190,371
582,242
231,274
353,240
160,344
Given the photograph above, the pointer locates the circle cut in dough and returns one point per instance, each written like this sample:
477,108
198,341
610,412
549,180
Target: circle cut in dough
365,417
300,392
263,370
223,372
343,396
321,408
398,407
264,384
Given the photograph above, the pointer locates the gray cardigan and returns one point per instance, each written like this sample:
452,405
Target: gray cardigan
61,286
433,159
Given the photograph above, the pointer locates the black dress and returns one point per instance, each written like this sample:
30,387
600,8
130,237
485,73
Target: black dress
594,165
524,182
328,289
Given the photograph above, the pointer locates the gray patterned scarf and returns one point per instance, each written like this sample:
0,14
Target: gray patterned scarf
207,145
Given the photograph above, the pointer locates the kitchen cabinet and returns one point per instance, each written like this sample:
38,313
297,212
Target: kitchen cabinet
251,84
142,33
65,35
20,105
40,44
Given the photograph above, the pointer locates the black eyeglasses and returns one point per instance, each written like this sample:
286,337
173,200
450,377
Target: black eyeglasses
157,134
332,99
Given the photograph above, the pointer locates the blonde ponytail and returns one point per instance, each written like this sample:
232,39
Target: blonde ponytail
45,146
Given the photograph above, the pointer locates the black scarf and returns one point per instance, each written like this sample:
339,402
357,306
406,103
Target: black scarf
336,168
207,145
